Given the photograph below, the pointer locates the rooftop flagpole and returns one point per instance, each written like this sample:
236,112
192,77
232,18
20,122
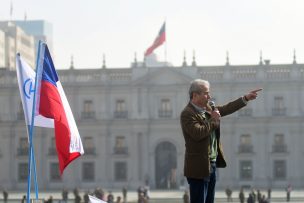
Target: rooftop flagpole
165,54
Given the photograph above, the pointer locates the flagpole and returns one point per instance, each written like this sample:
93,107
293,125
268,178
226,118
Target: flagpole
31,153
32,131
165,54
165,43
29,173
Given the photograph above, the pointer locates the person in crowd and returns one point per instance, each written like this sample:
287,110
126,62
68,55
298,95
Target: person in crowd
250,198
124,194
86,198
99,193
65,194
118,200
288,191
23,200
110,197
186,198
229,194
269,193
242,195
5,196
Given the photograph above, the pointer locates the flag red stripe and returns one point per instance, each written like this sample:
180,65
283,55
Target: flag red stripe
51,107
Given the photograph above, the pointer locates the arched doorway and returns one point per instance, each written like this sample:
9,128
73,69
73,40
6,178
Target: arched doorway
165,166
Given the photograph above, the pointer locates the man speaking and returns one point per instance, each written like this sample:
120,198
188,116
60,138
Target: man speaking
200,122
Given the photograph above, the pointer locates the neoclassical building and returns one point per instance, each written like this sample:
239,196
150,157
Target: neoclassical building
128,120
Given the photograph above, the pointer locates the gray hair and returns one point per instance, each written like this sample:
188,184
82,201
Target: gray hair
195,86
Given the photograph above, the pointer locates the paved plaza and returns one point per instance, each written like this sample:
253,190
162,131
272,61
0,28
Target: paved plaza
160,196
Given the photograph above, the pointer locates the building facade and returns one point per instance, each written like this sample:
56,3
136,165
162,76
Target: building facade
16,40
129,124
40,30
2,49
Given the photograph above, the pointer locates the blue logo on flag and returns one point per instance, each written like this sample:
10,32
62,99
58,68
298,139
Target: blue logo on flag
28,88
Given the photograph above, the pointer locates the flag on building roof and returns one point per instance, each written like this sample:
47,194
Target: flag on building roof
52,103
26,82
160,39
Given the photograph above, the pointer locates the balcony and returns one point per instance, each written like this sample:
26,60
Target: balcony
279,148
121,150
52,151
88,115
165,113
90,151
245,149
245,112
120,114
22,151
279,111
20,116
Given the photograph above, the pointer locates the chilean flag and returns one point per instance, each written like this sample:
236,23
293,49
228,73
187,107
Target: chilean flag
52,103
160,39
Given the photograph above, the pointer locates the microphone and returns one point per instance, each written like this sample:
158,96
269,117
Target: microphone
212,105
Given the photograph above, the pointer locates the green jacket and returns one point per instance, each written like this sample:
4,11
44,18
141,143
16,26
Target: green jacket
196,132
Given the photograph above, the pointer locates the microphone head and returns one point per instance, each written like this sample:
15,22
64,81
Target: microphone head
212,105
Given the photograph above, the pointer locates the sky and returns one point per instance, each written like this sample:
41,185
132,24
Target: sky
87,29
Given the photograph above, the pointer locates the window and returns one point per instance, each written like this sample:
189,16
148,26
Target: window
87,106
279,107
245,112
279,168
52,148
120,105
88,144
278,139
120,145
120,109
54,172
23,146
88,111
165,110
22,172
88,171
245,144
20,114
245,170
279,143
120,171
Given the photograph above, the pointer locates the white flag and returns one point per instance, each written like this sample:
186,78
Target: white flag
26,81
95,200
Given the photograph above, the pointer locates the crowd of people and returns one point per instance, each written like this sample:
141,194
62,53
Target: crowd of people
254,196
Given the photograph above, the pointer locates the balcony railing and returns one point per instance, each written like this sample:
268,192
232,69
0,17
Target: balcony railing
90,151
52,151
164,113
245,112
22,151
120,114
245,149
281,148
88,115
121,150
20,116
279,111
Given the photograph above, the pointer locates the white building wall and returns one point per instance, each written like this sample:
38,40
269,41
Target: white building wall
2,49
17,41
